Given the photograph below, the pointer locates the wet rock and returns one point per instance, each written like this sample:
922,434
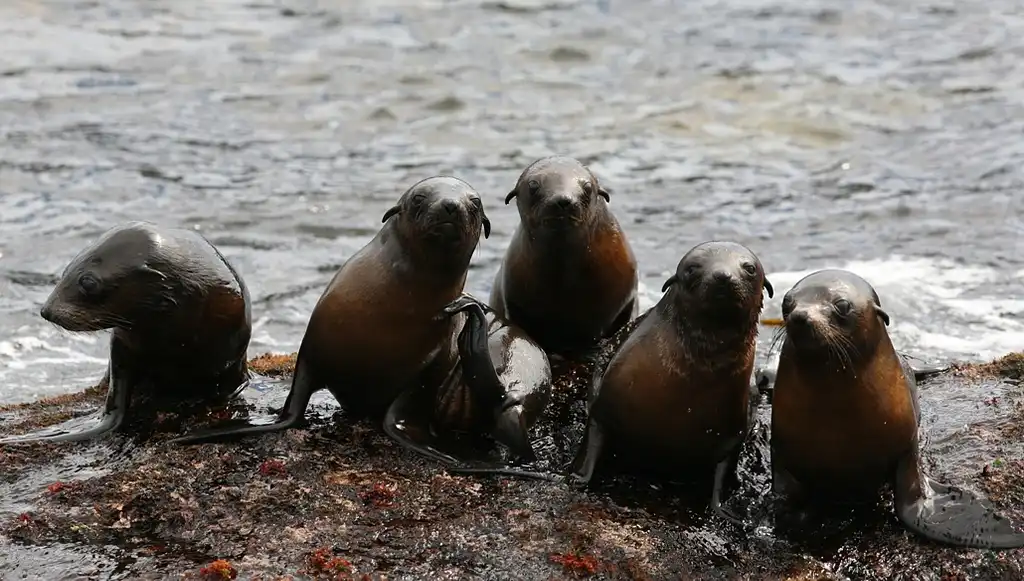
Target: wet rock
338,498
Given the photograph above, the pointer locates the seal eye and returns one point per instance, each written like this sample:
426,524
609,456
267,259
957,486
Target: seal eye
842,306
691,271
588,188
89,285
749,268
534,185
418,199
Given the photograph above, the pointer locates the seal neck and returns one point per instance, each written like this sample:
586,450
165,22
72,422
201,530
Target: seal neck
707,337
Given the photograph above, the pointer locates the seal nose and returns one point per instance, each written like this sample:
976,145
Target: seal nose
450,206
721,277
46,312
798,318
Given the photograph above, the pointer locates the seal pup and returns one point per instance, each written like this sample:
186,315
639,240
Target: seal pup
845,416
375,331
501,387
180,315
675,398
568,277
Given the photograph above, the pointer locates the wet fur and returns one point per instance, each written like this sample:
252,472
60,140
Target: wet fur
845,417
180,313
374,333
675,399
572,283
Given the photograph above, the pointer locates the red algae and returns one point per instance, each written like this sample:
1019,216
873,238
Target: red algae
322,563
272,467
218,570
576,564
379,495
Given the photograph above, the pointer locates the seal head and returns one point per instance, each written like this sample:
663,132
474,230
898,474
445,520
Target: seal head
556,195
126,278
444,212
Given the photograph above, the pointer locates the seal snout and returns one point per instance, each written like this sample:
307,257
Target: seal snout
806,325
561,208
46,312
450,206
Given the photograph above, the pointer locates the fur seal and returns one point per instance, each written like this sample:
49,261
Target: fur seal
501,386
180,315
845,416
569,277
676,395
375,331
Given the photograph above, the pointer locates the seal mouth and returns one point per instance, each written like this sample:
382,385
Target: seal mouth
560,220
448,230
74,320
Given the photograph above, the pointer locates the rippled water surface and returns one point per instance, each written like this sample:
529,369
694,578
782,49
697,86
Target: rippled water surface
885,137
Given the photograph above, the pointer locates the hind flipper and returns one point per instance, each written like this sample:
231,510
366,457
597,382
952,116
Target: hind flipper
499,471
304,384
121,380
947,514
406,424
925,371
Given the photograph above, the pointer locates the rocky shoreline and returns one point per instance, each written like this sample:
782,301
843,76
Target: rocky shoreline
340,501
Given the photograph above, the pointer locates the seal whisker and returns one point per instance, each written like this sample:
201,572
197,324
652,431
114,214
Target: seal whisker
778,338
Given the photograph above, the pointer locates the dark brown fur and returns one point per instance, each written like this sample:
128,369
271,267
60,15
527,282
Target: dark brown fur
569,276
179,311
676,394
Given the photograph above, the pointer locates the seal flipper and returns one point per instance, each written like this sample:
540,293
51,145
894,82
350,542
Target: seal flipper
588,454
478,369
724,469
405,413
304,384
947,514
121,380
926,371
510,430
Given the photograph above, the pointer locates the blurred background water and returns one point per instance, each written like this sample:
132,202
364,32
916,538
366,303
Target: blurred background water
883,137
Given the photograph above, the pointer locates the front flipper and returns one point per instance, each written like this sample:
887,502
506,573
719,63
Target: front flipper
406,424
589,453
724,470
947,514
304,384
121,381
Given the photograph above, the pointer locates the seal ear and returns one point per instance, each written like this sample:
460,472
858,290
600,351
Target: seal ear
768,287
487,225
671,281
511,195
884,315
394,210
604,192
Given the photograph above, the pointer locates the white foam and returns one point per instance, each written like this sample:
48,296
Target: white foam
937,306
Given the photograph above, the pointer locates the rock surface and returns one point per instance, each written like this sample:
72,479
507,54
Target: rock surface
340,501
